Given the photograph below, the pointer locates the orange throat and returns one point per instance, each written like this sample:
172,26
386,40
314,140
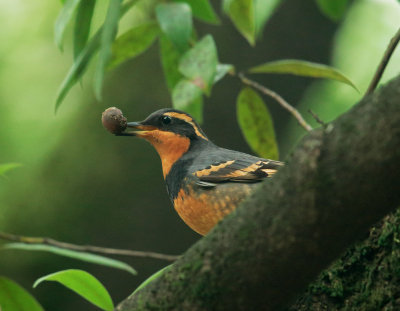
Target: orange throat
170,147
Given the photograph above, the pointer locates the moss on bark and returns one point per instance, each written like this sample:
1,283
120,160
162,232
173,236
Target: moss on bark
365,278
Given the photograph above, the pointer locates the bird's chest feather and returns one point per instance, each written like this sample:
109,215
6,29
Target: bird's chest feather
202,208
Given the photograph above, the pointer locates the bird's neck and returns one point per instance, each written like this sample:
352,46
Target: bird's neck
170,147
171,150
180,169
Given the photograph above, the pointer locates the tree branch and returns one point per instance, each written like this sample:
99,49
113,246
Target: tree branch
296,114
86,248
382,65
317,118
339,181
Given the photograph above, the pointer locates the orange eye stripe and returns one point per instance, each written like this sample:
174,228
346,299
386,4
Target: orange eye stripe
187,119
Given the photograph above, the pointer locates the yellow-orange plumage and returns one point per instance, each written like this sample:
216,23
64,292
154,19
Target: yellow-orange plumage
201,210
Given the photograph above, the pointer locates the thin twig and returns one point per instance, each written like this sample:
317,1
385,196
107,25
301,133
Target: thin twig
382,65
315,116
85,248
278,98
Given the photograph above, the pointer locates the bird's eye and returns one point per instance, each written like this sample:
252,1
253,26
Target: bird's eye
166,120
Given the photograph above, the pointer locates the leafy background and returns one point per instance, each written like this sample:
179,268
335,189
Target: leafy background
79,184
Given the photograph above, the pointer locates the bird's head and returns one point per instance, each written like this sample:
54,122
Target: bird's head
167,123
170,131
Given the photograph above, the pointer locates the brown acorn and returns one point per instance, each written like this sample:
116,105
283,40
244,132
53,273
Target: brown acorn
113,120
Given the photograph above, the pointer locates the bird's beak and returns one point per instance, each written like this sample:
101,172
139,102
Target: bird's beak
139,129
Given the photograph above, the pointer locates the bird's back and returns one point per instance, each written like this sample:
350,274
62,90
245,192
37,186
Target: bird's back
209,182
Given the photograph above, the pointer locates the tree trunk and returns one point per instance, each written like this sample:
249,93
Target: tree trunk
339,182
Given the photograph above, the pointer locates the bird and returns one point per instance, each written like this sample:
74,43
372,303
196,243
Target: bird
204,181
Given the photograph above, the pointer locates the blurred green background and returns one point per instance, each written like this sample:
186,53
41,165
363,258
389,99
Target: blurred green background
78,183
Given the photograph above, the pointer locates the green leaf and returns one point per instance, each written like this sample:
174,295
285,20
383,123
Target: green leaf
170,57
334,9
203,10
132,43
250,16
222,70
256,124
82,61
15,298
186,96
109,31
175,20
199,64
242,14
78,68
63,20
4,168
83,256
82,25
151,278
303,68
263,10
84,284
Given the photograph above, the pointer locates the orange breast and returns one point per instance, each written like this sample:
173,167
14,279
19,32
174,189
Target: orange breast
201,209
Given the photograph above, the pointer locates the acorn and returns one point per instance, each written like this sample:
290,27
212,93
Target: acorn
113,120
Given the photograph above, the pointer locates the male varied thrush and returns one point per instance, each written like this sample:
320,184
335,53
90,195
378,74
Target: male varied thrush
205,182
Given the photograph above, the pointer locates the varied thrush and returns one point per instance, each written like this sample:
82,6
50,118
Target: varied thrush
205,182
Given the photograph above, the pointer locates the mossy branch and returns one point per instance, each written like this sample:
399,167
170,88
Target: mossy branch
339,181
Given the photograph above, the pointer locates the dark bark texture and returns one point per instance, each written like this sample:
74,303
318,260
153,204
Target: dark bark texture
365,278
338,182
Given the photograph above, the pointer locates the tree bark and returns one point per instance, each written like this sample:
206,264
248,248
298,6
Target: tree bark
365,278
339,181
